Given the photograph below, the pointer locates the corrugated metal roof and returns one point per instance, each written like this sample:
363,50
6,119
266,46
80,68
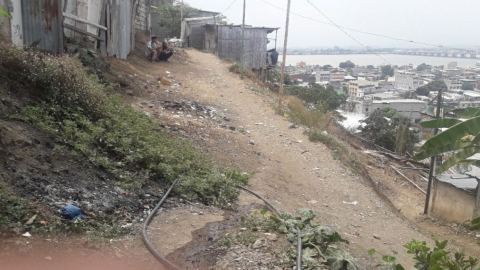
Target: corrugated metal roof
462,181
41,24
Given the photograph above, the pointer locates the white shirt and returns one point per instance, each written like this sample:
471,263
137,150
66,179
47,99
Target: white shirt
150,45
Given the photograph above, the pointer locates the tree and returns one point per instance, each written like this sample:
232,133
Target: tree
325,99
421,67
171,17
460,141
388,70
434,86
370,67
409,95
274,77
347,64
467,86
327,67
387,128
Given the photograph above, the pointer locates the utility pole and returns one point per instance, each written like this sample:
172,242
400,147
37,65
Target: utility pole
181,12
243,40
282,76
432,161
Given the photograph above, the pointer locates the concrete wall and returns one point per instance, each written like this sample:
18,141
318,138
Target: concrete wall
160,32
452,203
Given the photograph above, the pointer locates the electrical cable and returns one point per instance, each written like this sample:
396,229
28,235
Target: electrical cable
229,6
369,33
345,32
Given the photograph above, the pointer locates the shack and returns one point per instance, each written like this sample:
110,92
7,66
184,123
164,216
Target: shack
108,26
193,32
226,42
456,197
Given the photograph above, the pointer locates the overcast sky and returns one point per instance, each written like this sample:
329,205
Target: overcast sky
445,22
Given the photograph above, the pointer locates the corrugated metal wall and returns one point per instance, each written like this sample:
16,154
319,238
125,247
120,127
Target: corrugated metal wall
121,29
229,45
42,23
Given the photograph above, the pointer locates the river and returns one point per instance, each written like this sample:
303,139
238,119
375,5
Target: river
370,59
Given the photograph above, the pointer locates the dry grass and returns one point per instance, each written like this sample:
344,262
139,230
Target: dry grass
303,116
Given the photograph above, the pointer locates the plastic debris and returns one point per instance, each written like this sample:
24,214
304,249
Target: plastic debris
27,234
351,203
71,212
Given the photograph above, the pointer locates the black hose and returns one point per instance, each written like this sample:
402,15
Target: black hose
261,198
149,246
299,249
299,238
170,265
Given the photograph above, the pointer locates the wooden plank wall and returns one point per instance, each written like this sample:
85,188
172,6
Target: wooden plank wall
229,45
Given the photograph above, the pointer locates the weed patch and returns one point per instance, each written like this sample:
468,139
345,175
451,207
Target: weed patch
300,115
340,150
236,68
13,210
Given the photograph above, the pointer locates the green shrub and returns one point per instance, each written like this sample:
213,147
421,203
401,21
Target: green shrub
13,209
86,59
73,106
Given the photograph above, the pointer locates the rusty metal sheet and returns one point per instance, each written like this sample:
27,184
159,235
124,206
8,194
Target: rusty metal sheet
42,24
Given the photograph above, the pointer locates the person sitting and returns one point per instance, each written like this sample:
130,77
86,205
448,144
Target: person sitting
153,49
166,53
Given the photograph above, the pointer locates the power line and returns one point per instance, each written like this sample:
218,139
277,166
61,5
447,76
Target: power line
369,33
341,29
229,6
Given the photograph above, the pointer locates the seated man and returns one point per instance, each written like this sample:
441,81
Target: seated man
153,49
166,53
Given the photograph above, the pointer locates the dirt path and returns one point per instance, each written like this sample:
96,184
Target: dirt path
290,171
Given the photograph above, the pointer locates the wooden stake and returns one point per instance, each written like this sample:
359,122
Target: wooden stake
408,179
243,40
432,161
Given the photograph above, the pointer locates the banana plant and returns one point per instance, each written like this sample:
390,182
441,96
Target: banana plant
462,139
4,13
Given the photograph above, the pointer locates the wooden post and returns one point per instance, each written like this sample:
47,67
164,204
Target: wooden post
282,76
181,12
243,40
60,26
476,211
432,161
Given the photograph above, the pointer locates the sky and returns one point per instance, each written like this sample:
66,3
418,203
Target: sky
454,23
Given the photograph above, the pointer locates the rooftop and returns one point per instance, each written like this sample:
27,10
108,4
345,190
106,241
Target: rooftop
269,29
462,181
401,101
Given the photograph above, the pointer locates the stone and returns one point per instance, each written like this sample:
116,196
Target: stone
166,81
130,92
258,244
251,142
376,236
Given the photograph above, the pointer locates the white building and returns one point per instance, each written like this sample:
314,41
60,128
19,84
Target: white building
405,80
359,88
322,76
411,108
